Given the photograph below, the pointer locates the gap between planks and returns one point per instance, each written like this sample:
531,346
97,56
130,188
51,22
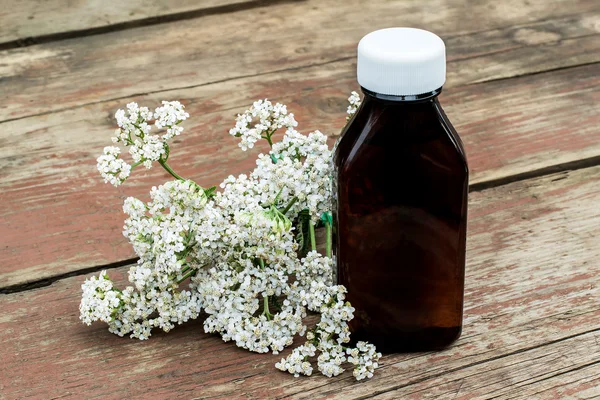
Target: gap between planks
488,360
276,72
553,313
476,187
137,23
151,92
502,96
558,40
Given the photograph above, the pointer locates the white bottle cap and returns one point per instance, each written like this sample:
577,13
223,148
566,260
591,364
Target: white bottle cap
401,62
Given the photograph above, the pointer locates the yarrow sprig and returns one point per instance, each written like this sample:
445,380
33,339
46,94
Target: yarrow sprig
144,148
261,121
113,169
355,102
245,255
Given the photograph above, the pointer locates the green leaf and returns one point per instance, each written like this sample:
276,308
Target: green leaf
327,218
303,234
210,191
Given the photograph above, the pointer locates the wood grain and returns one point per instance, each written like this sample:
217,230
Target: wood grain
513,38
531,323
25,20
523,375
59,217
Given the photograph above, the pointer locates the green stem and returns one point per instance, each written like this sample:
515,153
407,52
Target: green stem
277,197
185,269
313,241
268,137
169,170
187,275
328,229
266,310
290,204
167,152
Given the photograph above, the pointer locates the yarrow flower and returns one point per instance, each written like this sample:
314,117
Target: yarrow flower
134,132
169,116
246,253
100,300
261,121
355,102
112,168
365,359
330,336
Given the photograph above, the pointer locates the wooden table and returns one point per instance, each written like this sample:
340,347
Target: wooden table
523,91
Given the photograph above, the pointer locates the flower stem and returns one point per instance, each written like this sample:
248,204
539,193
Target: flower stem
187,275
185,268
290,204
277,197
169,170
328,229
268,137
266,310
313,241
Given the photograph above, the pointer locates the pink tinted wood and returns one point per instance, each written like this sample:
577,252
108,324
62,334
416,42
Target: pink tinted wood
512,38
59,216
531,323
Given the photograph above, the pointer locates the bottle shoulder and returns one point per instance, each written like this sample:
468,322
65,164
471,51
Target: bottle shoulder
407,130
452,135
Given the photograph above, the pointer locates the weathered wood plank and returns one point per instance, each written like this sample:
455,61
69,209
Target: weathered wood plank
530,296
582,383
26,19
55,76
529,282
47,163
574,361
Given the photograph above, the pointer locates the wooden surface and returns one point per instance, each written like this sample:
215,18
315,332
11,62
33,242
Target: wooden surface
28,22
46,151
532,138
531,322
523,92
196,52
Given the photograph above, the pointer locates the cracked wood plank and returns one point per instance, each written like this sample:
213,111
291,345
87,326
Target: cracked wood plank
531,323
47,163
569,368
492,40
23,21
580,383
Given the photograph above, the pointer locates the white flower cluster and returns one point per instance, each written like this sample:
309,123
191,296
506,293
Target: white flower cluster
161,233
99,299
243,250
134,132
329,338
268,118
112,168
302,170
365,359
354,101
169,116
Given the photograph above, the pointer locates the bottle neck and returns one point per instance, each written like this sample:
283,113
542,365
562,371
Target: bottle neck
402,99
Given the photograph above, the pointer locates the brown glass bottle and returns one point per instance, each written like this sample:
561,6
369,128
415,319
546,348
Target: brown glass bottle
400,217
